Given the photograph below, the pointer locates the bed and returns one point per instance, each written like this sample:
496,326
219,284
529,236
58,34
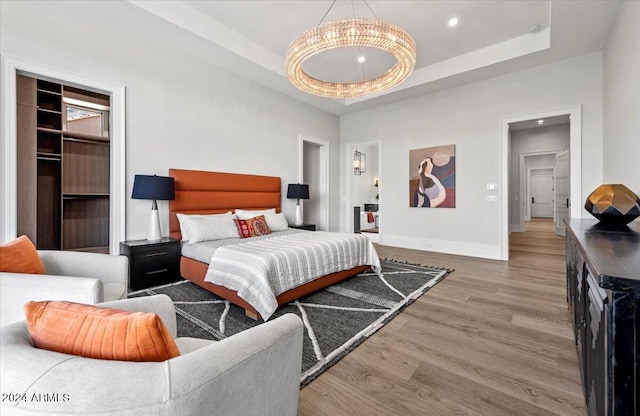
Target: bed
202,192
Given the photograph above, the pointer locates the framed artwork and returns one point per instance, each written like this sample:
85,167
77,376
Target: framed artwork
432,174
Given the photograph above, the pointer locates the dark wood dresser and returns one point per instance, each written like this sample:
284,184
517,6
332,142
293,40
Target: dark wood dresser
603,293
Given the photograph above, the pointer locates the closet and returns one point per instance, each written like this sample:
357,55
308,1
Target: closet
63,165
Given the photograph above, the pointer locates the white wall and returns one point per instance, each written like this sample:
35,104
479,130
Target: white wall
469,117
182,110
539,139
540,162
622,100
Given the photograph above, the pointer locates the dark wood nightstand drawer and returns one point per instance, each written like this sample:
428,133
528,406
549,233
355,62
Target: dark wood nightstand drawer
156,254
152,263
144,278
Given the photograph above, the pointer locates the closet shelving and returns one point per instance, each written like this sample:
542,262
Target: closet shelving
63,175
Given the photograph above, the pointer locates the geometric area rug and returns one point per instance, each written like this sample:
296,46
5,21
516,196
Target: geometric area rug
337,319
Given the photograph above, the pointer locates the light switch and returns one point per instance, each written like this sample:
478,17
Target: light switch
492,198
491,187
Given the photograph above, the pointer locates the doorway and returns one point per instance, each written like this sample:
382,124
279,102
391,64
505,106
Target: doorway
364,186
514,199
11,68
314,171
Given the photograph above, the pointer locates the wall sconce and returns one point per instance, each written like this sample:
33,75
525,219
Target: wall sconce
375,182
359,162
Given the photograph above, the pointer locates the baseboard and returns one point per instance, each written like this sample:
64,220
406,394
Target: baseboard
516,228
485,251
374,237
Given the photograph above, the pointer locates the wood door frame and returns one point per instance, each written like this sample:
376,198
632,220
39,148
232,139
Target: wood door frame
349,148
575,165
12,66
324,176
531,172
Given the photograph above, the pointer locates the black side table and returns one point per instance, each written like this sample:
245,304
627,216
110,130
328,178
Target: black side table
152,263
308,227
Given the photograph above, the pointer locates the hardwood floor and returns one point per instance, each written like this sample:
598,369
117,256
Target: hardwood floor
494,338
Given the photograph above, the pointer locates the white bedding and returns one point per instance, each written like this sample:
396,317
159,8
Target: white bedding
260,269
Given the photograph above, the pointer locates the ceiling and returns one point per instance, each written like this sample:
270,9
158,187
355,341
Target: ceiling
533,124
492,38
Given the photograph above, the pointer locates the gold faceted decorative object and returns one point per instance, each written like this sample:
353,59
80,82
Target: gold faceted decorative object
613,204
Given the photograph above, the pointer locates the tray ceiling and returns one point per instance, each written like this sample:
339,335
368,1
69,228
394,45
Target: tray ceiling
492,38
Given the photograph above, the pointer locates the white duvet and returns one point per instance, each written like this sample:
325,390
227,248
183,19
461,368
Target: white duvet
261,270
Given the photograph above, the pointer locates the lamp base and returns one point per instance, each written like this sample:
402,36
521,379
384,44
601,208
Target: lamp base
154,225
298,214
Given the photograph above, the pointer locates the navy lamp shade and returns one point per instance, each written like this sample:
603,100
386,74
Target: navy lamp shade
153,188
298,191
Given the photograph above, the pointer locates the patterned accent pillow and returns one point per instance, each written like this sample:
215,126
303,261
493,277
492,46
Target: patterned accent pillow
253,227
101,333
20,256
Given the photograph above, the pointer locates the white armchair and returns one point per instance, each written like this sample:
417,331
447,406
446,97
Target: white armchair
255,372
71,275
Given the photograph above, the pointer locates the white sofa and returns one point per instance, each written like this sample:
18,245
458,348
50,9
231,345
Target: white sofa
71,275
256,372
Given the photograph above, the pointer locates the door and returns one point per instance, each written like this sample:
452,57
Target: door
542,195
562,191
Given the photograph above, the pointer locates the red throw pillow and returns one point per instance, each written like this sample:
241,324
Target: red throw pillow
252,227
20,256
101,333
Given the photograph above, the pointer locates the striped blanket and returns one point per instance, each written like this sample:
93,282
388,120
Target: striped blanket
261,270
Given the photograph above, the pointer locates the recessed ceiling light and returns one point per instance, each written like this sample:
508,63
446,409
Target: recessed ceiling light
453,21
540,122
361,59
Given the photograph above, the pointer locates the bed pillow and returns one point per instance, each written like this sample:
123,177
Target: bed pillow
100,333
211,227
183,224
277,222
183,219
244,214
252,227
20,256
183,227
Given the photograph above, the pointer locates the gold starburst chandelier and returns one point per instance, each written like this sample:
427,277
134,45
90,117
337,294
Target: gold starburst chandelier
372,33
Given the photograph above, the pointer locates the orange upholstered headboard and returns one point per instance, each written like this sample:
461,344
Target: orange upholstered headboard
200,192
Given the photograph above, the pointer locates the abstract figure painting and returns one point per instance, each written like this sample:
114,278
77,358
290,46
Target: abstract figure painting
432,173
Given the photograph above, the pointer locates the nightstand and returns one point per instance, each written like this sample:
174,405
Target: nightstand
308,227
152,263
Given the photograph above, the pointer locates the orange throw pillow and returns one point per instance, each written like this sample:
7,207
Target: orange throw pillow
102,333
20,256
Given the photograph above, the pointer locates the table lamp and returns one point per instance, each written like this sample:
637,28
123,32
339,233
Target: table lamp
298,191
154,188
